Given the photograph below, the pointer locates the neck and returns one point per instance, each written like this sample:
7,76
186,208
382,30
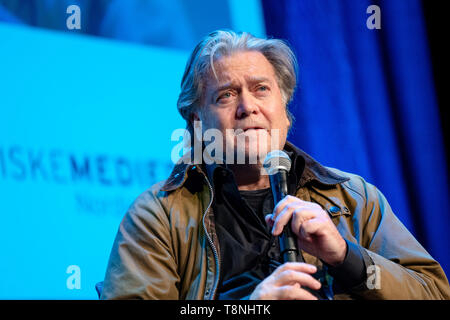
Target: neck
249,177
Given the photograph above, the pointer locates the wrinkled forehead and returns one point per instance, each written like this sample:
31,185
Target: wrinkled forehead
247,66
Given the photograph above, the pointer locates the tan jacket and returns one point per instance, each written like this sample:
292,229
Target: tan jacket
167,247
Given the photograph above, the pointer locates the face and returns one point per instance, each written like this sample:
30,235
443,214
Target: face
245,105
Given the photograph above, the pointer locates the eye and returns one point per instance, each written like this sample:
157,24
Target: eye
262,88
224,97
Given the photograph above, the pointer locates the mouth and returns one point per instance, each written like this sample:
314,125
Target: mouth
251,131
253,128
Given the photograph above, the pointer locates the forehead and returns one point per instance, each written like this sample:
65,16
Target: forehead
241,65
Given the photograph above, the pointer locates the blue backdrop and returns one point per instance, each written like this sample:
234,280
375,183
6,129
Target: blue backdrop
366,104
86,118
86,123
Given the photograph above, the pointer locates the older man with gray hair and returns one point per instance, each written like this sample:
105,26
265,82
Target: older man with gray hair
211,230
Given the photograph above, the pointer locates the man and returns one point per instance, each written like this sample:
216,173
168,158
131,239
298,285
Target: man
210,231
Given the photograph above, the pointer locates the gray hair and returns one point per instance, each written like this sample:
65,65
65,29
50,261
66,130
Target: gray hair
224,43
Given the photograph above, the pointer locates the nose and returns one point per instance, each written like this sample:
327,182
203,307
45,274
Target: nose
247,105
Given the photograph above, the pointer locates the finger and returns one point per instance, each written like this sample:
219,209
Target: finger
282,219
282,204
293,292
296,266
311,227
289,199
300,216
287,208
298,212
290,277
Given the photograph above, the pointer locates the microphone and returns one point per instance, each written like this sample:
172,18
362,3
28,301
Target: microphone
277,164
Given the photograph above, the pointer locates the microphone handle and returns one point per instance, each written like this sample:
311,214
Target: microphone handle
287,242
288,247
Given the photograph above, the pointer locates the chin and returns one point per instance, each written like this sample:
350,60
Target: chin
249,148
252,153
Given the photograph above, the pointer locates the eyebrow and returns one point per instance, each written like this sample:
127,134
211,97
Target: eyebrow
254,79
227,85
231,84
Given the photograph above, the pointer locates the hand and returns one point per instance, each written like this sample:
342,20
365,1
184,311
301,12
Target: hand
316,233
286,283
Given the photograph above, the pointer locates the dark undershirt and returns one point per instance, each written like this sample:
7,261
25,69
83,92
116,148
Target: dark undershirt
260,202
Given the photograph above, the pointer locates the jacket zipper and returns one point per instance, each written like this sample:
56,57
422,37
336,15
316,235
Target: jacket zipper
216,256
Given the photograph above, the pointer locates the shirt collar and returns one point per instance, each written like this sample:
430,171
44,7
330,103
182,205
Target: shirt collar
303,165
308,169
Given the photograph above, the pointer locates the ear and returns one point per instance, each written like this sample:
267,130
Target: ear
288,119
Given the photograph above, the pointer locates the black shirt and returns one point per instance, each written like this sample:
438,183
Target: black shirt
250,253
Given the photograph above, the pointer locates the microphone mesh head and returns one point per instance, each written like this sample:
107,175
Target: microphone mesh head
277,160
